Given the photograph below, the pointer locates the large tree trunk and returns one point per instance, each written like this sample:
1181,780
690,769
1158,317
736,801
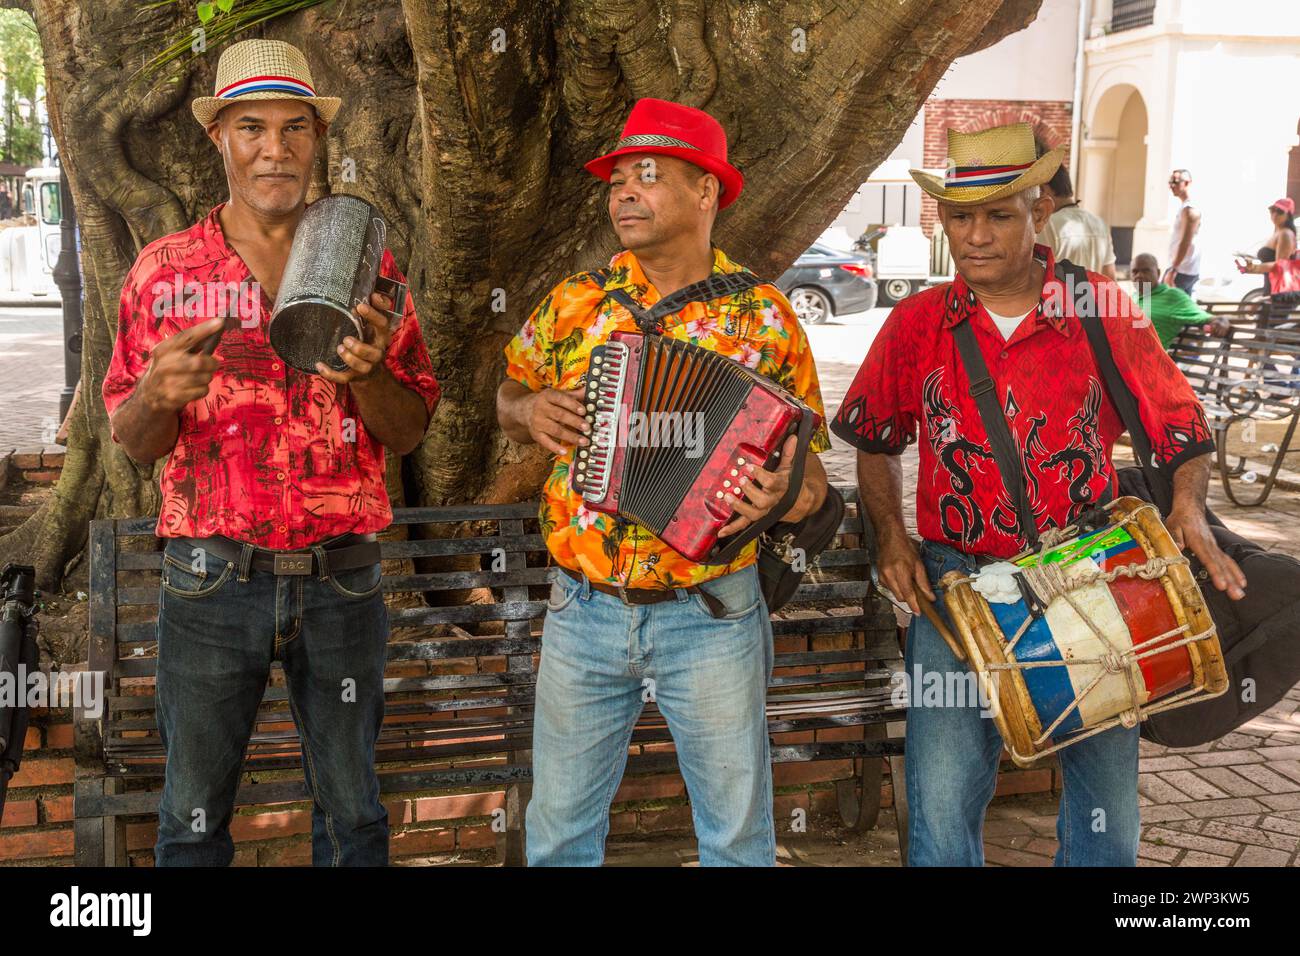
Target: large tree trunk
468,124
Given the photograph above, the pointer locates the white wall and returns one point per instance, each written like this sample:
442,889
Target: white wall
1036,63
1235,114
1261,18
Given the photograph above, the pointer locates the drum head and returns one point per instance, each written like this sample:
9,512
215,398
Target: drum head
310,331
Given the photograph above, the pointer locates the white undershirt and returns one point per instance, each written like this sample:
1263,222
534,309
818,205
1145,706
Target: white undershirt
1007,324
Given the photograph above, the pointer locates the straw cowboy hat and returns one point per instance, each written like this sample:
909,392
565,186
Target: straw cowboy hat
671,129
262,70
988,165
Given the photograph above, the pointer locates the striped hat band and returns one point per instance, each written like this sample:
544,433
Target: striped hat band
965,176
653,139
264,83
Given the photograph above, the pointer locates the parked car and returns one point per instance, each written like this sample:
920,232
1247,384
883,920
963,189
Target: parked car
825,282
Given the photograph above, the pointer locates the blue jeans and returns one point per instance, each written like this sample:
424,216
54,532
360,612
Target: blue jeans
1186,280
601,660
952,767
217,636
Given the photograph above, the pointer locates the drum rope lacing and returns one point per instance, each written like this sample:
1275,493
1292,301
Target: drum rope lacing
1049,581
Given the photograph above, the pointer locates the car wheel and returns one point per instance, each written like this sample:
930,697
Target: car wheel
894,291
811,305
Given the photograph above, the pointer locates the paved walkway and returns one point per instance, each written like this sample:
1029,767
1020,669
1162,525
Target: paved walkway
31,375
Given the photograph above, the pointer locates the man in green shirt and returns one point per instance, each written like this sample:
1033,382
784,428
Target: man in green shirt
1169,308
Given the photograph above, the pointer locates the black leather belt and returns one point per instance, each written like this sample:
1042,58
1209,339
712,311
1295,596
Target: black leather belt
648,595
343,553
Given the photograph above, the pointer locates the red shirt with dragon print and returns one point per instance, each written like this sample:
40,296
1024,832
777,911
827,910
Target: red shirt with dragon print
1051,393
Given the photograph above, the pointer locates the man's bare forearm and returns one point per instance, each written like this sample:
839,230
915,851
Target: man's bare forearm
514,407
1191,484
390,411
145,432
880,486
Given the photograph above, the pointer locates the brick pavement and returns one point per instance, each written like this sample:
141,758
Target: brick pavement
31,376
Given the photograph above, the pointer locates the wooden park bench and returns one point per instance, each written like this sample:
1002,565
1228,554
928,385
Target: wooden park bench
1249,377
467,589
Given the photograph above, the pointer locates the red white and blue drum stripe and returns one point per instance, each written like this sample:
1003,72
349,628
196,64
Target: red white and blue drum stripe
1129,611
958,176
266,83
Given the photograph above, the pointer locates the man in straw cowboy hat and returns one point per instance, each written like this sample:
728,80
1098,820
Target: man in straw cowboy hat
1050,393
629,619
275,482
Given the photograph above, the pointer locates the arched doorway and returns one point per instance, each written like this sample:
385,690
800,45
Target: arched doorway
1114,164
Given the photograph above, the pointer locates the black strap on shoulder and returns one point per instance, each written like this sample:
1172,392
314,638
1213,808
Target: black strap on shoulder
716,286
1077,284
1006,453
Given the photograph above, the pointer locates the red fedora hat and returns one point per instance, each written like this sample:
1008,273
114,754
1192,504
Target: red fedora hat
671,129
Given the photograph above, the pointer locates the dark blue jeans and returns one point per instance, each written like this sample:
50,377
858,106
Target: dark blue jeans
217,637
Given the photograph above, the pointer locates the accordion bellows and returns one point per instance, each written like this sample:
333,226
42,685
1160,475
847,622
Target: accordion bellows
673,428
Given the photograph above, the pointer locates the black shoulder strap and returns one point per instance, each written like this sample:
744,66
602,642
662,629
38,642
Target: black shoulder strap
1077,284
1006,453
716,286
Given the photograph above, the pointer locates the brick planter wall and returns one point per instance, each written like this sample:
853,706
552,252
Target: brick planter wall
38,813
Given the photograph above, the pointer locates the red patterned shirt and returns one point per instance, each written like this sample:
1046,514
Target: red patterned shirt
1051,393
271,456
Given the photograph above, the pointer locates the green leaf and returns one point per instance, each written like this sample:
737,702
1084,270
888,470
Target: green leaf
225,5
205,12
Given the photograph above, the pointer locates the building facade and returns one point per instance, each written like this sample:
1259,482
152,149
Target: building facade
1203,85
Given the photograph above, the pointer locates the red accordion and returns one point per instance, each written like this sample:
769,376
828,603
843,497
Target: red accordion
673,426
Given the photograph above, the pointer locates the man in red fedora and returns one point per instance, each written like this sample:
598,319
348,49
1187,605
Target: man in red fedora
274,483
629,619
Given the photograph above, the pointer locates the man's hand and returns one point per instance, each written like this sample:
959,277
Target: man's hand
364,359
758,491
555,419
1191,532
1168,277
1219,327
901,569
178,372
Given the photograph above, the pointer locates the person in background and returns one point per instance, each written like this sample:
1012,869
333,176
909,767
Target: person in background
1184,255
1169,308
6,202
1282,244
1073,232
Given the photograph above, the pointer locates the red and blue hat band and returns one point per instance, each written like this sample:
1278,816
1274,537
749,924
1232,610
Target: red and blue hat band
259,84
958,176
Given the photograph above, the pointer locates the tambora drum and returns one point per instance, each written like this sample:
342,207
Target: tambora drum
1101,626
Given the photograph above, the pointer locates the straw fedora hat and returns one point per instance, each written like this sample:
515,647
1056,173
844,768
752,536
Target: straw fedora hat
262,70
989,165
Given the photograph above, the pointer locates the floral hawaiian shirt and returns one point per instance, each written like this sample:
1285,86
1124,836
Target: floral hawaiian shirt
756,328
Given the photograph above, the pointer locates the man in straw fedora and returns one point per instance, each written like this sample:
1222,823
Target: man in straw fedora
1050,393
274,484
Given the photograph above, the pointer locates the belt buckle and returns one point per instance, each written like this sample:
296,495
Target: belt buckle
299,563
